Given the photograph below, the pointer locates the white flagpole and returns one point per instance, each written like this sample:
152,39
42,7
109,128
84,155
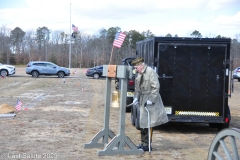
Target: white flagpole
70,46
111,55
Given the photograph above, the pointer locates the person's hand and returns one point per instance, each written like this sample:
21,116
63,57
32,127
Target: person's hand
135,101
149,102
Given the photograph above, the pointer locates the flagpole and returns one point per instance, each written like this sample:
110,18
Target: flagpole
111,55
70,46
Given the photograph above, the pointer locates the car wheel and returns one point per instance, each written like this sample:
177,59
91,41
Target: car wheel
96,76
35,74
60,75
3,72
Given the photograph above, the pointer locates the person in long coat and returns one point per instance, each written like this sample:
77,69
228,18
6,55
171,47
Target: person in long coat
147,91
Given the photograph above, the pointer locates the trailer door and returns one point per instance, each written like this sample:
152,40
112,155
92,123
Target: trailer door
192,78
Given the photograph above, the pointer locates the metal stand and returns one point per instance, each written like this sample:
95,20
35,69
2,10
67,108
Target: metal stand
105,132
118,143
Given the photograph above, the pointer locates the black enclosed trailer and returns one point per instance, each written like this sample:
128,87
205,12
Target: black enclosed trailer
194,76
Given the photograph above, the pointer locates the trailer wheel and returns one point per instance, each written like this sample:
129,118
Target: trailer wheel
129,101
137,120
220,147
133,115
213,125
225,125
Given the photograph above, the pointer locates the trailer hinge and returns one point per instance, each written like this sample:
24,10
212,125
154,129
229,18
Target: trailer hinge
227,61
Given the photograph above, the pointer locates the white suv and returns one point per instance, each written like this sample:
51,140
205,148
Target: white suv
236,74
6,70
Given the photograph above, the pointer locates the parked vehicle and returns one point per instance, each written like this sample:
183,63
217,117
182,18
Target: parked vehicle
36,68
130,84
194,78
236,74
95,72
6,70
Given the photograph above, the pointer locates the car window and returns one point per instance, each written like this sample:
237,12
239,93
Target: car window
129,62
50,65
41,64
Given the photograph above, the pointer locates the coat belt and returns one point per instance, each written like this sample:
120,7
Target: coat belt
145,92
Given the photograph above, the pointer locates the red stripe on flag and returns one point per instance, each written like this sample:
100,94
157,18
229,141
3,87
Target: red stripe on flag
119,40
18,105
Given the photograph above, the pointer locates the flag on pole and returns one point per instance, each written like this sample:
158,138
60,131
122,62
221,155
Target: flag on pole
18,105
74,28
119,38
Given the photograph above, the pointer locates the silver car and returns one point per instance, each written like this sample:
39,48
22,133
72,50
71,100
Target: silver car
36,68
236,74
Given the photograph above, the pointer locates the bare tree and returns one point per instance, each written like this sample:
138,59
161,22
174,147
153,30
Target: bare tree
80,43
5,52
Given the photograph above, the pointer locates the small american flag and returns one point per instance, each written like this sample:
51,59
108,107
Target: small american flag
119,38
18,105
74,28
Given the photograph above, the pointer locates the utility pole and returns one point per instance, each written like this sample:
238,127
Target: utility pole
70,45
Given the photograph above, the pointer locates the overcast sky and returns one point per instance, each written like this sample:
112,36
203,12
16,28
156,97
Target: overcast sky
181,17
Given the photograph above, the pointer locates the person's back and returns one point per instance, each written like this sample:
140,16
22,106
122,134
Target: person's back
147,92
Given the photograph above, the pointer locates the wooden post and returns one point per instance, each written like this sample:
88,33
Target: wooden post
111,56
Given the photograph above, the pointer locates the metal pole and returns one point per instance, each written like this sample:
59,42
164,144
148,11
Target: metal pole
70,46
149,126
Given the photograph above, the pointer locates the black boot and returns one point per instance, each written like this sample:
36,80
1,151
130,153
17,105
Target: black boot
139,146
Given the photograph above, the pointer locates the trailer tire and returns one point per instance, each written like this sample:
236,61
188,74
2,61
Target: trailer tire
213,125
133,115
137,120
225,125
129,101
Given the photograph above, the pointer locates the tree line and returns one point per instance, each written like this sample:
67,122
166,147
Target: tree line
18,47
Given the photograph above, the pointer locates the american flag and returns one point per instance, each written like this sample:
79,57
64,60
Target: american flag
18,105
74,28
119,38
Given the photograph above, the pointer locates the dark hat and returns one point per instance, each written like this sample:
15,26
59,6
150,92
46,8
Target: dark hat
137,61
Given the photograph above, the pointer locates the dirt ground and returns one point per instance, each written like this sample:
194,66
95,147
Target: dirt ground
59,116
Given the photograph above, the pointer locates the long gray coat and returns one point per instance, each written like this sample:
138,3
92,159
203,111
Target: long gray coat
147,88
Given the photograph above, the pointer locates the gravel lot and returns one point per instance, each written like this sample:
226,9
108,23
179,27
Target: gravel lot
59,116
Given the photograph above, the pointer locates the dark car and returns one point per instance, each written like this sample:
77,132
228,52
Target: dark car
236,74
36,68
130,84
95,72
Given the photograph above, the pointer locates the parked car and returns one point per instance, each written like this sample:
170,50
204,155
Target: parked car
130,84
95,72
236,74
36,68
6,70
